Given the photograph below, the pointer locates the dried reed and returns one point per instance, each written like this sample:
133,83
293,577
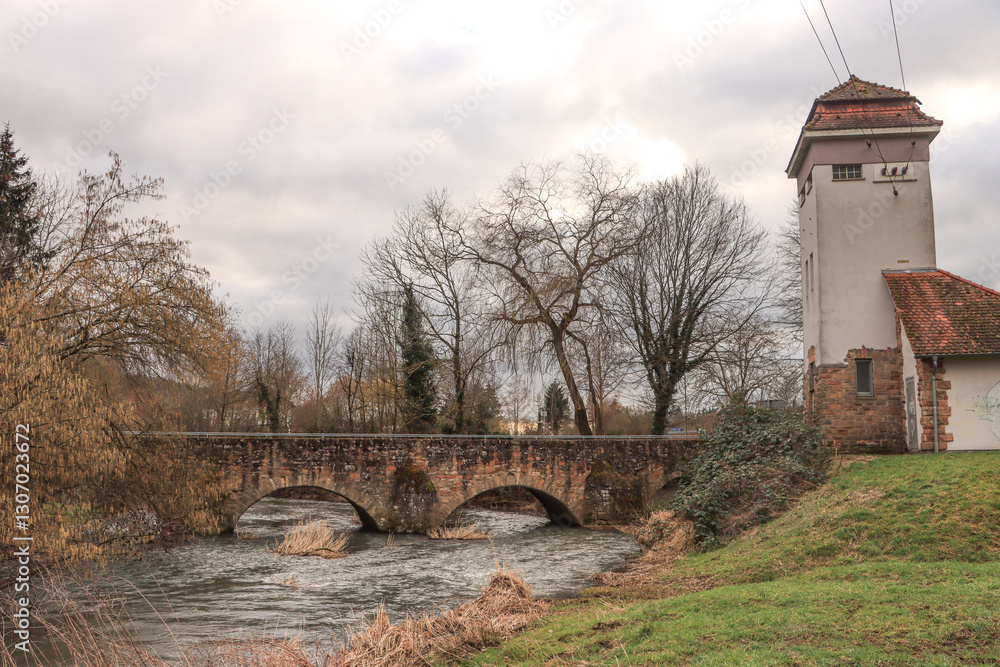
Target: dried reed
465,532
313,539
505,606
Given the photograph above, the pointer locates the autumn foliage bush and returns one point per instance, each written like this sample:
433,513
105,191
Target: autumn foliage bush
102,302
747,471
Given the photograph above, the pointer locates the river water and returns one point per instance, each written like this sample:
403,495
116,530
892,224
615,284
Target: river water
235,586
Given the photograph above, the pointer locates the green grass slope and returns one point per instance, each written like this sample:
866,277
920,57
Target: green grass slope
892,562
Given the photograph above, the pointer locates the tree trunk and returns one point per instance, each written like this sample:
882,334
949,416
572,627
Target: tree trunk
456,369
661,408
579,406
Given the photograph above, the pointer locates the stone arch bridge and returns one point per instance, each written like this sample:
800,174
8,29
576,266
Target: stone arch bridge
412,483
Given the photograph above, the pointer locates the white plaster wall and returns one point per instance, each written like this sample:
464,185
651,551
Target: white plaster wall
910,371
974,399
844,147
810,294
861,230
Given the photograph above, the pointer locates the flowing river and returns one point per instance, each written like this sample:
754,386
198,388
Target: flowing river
235,586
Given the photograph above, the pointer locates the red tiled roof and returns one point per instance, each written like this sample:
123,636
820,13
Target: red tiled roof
945,314
855,88
860,105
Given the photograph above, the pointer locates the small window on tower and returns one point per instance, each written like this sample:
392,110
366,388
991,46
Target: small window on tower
864,380
847,172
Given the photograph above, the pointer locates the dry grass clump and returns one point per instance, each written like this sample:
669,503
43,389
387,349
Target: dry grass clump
464,532
104,637
250,653
668,535
505,607
664,529
312,539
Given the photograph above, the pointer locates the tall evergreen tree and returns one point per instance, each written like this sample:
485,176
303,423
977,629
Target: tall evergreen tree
419,389
19,225
555,406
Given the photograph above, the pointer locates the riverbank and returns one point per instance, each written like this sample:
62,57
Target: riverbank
235,586
893,561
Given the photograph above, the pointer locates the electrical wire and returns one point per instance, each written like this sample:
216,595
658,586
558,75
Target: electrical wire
902,76
835,40
811,25
877,149
895,32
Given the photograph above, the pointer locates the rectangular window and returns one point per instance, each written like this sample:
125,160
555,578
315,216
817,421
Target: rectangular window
864,380
847,172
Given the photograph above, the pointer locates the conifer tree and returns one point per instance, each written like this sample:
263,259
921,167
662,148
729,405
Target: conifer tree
554,408
419,389
19,225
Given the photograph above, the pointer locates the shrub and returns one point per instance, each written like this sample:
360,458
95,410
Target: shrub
749,469
665,529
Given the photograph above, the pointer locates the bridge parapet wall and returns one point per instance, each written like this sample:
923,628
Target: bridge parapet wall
412,483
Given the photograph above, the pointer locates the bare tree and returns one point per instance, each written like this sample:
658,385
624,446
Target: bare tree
424,254
322,340
121,289
517,399
605,363
277,373
227,389
789,248
543,241
697,275
351,379
379,322
106,305
747,365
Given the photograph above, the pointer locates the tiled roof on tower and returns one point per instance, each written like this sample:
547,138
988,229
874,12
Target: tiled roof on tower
860,105
945,314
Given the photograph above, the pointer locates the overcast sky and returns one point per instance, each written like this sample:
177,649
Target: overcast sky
289,133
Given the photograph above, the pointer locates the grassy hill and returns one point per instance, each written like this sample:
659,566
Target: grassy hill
895,561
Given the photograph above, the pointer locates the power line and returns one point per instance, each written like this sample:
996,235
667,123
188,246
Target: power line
895,32
899,57
835,75
836,41
877,149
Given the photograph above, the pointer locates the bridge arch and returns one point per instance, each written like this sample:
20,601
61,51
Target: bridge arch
251,496
559,511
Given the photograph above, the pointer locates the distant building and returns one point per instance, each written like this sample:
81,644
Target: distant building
899,355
